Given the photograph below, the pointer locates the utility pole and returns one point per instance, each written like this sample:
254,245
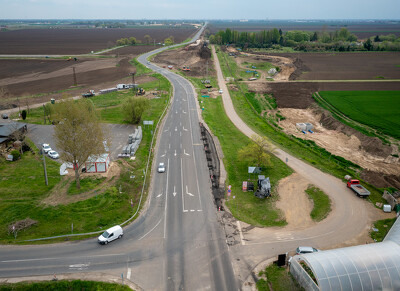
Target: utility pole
44,114
44,165
75,82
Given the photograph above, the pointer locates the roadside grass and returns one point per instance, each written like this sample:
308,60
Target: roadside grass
377,109
245,206
321,201
383,227
306,150
22,190
87,184
277,279
63,285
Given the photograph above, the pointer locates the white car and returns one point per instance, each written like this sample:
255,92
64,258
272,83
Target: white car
161,168
53,154
220,91
46,148
306,250
110,235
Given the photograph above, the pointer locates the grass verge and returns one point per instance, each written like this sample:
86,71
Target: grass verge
277,279
63,285
321,201
383,227
245,206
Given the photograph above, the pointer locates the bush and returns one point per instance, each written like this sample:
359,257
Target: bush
16,155
133,109
23,114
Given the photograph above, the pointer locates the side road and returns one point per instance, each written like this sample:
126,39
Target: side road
349,220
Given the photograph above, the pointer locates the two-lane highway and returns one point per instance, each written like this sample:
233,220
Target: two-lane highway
177,243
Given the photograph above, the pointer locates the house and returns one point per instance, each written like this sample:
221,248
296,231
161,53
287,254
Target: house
8,131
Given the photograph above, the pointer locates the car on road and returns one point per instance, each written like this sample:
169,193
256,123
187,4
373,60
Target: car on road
46,148
306,250
161,168
220,91
110,234
53,154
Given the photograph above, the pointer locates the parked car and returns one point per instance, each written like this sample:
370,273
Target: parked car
4,116
306,250
161,168
53,154
220,91
46,148
110,234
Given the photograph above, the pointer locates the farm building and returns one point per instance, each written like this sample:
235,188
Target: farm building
364,267
98,164
9,130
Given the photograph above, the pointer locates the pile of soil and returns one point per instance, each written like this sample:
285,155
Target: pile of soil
381,180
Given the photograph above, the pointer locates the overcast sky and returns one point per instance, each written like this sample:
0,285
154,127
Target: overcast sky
199,9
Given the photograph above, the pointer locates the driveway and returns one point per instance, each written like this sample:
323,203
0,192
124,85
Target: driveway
40,134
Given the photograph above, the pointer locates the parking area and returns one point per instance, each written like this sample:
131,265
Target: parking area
40,134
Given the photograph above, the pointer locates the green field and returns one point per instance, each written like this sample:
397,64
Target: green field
63,285
377,109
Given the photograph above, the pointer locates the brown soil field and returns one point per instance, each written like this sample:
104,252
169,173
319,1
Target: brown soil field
79,41
345,66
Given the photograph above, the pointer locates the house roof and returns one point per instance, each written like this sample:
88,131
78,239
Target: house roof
8,129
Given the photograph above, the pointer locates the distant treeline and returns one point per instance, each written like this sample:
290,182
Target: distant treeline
339,40
147,39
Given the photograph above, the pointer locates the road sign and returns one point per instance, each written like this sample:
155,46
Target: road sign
229,187
148,122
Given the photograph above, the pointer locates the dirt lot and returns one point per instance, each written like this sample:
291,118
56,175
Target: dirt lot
79,41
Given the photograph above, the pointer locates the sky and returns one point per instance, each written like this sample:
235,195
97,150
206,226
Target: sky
199,9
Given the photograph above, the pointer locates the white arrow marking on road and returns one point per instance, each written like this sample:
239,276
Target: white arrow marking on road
174,193
188,192
175,153
176,112
184,112
176,128
184,129
185,152
163,156
159,195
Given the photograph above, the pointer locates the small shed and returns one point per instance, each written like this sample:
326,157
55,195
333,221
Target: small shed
304,126
98,164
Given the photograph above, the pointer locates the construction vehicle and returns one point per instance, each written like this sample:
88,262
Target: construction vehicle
90,93
141,91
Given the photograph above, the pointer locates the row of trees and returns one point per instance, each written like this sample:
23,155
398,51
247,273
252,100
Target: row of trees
147,40
339,40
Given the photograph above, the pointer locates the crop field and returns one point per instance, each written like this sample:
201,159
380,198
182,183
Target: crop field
377,109
346,66
79,41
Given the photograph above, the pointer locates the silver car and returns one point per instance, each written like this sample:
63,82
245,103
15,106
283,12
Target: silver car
53,154
161,168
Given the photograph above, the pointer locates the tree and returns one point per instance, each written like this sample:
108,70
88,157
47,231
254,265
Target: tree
377,39
168,41
314,37
255,153
147,39
368,44
132,40
133,109
79,134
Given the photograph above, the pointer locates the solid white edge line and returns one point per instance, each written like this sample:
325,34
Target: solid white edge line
151,229
166,201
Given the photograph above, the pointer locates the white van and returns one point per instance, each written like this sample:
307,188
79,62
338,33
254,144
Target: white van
110,235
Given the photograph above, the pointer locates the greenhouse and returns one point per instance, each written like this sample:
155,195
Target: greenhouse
364,267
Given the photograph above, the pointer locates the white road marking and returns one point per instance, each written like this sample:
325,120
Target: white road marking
183,111
176,128
174,192
190,194
159,195
79,266
162,156
192,210
175,153
128,274
199,210
57,258
185,152
183,199
166,201
240,233
185,129
151,229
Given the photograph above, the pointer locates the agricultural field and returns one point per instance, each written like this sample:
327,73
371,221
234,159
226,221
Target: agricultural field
80,41
346,66
377,109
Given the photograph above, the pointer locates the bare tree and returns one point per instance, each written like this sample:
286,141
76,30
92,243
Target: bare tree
79,133
257,152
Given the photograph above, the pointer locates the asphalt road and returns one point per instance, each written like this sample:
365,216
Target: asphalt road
178,242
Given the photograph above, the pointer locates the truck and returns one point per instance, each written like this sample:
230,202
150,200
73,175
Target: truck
360,190
90,93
